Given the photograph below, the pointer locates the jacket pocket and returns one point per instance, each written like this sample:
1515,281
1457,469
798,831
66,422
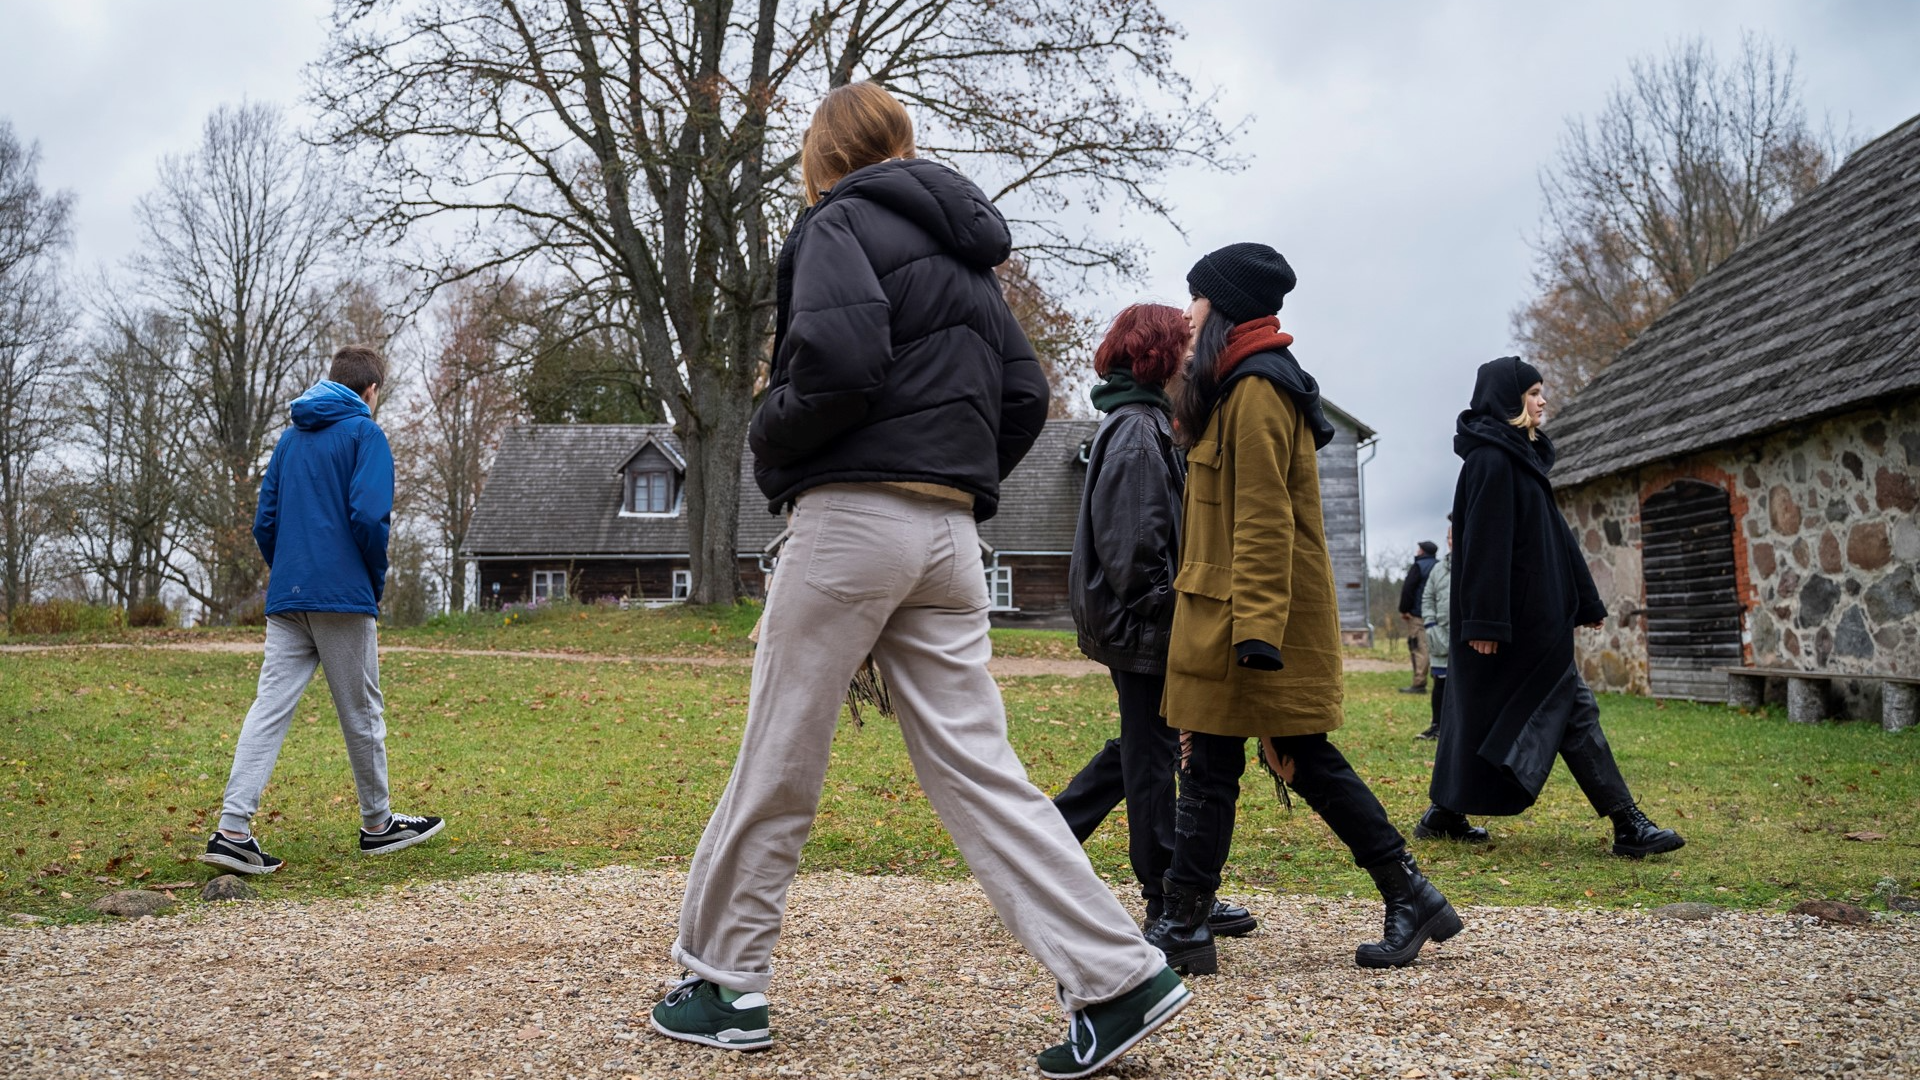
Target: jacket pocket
1204,481
1202,622
856,554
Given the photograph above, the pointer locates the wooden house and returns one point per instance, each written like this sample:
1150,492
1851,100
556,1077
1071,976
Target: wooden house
596,512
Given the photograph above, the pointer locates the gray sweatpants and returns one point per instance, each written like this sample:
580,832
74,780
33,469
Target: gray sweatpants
872,569
345,644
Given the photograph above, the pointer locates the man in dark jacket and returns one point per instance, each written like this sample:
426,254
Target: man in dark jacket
1410,614
325,507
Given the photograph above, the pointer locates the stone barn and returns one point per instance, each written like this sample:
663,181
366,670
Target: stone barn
1744,477
596,512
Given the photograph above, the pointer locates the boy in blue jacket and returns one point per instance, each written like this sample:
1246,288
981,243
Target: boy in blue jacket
325,507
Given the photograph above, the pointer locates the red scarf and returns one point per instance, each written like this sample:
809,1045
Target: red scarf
1248,339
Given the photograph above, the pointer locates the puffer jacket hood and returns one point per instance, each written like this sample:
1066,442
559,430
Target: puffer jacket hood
326,403
951,208
895,357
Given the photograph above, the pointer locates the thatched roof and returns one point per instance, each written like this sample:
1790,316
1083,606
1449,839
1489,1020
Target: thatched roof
1819,314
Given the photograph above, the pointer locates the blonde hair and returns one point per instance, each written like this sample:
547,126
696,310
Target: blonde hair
856,125
1525,420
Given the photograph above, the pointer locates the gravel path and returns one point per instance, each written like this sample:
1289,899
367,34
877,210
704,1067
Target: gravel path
551,976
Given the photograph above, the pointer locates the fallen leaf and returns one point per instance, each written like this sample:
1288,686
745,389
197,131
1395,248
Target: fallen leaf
1866,836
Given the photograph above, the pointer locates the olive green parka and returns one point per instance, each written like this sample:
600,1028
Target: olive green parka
1254,567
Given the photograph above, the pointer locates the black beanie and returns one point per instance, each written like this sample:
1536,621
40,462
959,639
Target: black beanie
1244,282
1429,547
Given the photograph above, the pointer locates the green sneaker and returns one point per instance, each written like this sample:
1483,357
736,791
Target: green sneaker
702,1012
1100,1033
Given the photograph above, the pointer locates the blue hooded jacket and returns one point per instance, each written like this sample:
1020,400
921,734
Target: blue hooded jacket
326,505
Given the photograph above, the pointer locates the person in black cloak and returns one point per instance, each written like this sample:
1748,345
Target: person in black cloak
1514,699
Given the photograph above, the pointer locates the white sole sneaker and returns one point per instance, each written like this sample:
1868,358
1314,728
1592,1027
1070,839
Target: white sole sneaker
407,843
238,866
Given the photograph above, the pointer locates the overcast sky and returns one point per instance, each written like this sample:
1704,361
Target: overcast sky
1394,151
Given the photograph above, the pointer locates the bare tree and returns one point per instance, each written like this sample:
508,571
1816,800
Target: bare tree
33,326
122,510
1062,338
646,148
244,246
1688,160
465,403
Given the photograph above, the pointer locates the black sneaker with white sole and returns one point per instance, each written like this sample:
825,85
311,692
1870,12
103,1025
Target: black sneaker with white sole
240,856
405,830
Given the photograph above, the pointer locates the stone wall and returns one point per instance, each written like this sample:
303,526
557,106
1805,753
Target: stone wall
1827,549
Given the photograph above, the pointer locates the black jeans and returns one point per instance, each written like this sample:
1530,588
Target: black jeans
1438,697
1138,768
1584,748
1210,768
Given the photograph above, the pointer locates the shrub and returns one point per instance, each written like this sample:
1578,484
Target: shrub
152,613
251,613
65,617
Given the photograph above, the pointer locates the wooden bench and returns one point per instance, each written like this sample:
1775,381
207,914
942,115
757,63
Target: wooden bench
1807,697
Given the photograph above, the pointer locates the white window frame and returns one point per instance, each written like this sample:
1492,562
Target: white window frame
1000,588
548,585
682,584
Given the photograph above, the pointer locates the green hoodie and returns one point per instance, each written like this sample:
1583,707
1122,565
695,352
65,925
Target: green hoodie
1119,389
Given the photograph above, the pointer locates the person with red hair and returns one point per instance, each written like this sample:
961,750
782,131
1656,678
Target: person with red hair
1125,549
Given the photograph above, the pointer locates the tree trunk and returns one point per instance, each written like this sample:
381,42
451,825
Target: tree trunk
713,451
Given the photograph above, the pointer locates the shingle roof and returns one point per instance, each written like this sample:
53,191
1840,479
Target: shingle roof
552,491
1818,314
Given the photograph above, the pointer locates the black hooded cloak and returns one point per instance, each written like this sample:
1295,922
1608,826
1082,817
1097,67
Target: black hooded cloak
1518,579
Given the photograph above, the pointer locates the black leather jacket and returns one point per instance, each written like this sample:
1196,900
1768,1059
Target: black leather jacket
1126,546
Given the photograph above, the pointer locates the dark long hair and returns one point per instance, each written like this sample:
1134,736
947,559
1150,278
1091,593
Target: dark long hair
1193,406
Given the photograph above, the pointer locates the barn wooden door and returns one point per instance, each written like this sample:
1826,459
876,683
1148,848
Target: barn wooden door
1693,604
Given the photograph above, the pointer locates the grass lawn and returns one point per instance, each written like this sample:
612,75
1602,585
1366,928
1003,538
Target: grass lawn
112,765
678,631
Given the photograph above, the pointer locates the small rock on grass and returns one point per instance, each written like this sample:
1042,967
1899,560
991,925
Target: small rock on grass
1904,903
227,887
132,903
23,917
1686,911
1833,911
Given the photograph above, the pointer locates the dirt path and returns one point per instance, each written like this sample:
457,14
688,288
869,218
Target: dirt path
1002,666
551,976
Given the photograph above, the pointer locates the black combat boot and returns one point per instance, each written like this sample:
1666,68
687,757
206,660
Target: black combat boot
1227,920
1635,837
1439,824
1416,913
1181,931
1231,920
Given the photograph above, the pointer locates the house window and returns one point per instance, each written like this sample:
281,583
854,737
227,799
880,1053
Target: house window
550,584
652,492
682,584
1000,588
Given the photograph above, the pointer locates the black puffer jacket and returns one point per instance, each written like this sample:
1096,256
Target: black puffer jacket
895,355
1126,547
